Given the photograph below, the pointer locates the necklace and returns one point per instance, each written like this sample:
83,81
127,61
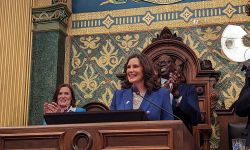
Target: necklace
137,100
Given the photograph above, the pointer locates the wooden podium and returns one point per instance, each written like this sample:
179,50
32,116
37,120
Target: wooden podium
167,135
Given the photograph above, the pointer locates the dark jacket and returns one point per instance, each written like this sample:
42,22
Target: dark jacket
188,109
242,109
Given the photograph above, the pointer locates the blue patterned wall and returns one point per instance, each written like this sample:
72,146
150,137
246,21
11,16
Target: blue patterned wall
83,6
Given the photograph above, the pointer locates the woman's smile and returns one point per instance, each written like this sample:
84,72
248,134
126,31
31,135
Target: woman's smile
134,71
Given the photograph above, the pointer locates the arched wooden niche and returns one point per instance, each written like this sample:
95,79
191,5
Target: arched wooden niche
197,72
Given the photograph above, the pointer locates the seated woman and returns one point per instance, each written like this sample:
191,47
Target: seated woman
63,101
141,78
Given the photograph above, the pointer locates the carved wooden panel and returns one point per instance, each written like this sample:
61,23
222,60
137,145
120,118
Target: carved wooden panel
142,138
171,135
38,140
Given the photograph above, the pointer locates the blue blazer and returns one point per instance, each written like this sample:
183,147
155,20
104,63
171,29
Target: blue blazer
123,100
79,109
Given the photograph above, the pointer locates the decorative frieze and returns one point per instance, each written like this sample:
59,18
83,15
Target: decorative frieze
57,12
59,1
248,8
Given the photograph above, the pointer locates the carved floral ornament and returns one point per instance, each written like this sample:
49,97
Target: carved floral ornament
159,2
59,1
57,12
248,8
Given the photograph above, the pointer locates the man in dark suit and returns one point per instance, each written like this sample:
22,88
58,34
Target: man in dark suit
184,97
242,105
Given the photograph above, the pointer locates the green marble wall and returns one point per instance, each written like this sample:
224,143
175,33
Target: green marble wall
48,55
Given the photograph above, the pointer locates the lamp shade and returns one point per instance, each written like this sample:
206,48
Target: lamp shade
232,44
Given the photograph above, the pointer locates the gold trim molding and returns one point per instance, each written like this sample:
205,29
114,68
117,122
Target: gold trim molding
147,18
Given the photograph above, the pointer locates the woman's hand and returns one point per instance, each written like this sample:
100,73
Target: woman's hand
51,107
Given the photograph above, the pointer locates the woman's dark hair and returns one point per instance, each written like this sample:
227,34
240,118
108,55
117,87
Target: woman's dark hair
73,101
149,74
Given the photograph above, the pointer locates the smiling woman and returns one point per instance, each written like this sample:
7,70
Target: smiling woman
63,101
141,90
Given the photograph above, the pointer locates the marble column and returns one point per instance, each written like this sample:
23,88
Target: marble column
48,55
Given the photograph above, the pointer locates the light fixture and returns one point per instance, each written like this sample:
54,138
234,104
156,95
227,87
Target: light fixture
232,44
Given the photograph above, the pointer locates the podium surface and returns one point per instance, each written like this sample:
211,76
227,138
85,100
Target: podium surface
168,135
95,117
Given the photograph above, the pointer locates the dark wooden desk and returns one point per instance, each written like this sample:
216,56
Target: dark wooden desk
170,135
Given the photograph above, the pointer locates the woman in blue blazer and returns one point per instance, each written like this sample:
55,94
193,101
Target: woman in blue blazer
141,90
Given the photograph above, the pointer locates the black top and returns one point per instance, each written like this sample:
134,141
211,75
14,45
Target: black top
95,117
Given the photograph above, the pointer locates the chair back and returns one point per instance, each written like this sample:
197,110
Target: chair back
96,106
235,131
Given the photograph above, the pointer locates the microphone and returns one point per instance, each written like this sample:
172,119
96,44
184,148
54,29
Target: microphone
137,92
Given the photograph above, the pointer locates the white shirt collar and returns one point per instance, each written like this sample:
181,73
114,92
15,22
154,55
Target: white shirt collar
71,109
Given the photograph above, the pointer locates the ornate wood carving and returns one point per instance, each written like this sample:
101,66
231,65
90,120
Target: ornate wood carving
82,140
248,8
166,34
206,65
59,1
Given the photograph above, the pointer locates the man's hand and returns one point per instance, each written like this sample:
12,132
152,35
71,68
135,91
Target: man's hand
172,83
